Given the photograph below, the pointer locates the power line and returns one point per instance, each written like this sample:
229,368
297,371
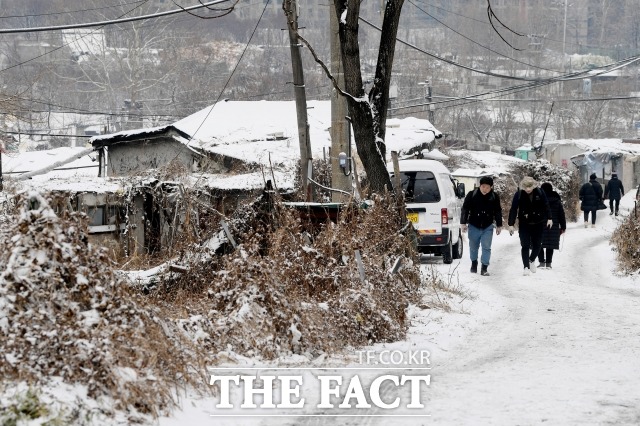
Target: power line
64,44
475,42
565,77
34,15
487,23
266,3
46,134
113,21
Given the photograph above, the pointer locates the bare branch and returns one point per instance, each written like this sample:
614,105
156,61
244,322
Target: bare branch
315,55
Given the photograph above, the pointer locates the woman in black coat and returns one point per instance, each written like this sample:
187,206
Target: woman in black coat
551,236
590,195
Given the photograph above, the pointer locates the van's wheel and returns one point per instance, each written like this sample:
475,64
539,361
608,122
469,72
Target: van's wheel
458,248
447,253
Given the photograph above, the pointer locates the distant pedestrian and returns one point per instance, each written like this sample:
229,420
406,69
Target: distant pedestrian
480,211
531,207
590,195
614,191
551,236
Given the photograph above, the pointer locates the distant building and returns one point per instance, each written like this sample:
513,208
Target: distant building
525,152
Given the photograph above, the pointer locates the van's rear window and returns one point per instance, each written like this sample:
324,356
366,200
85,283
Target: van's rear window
420,187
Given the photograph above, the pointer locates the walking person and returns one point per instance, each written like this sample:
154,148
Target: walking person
551,236
614,190
531,207
481,213
590,195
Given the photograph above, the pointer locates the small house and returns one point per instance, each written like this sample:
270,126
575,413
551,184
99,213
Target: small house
470,177
526,152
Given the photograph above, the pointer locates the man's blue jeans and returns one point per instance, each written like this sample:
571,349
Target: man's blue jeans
477,237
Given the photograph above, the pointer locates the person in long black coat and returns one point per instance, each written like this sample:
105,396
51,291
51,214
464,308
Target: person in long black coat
551,236
614,191
590,195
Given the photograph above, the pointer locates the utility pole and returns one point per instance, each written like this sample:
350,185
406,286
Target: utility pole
428,94
1,182
291,9
340,127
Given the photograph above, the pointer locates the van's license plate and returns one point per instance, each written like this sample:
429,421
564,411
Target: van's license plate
413,217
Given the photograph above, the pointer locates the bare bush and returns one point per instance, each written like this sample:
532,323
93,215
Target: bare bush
565,182
63,312
294,288
625,239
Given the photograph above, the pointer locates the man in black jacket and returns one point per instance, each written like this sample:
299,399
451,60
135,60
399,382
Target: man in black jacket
481,208
614,191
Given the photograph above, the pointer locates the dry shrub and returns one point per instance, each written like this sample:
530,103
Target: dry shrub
63,312
626,239
285,291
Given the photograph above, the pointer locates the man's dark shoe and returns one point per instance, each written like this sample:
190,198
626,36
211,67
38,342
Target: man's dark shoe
484,271
474,266
548,266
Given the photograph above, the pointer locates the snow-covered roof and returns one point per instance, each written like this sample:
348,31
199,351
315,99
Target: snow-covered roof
126,134
601,145
492,162
15,164
525,147
473,173
266,133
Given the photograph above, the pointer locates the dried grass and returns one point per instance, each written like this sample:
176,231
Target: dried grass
277,294
626,239
289,287
63,312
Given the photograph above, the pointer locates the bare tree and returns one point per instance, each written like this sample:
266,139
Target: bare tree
367,111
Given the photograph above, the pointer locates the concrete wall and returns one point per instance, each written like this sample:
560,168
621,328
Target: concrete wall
560,154
135,157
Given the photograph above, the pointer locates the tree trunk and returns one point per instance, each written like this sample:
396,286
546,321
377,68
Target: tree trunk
369,112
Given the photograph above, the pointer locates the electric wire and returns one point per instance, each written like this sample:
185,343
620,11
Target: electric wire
255,28
481,45
69,12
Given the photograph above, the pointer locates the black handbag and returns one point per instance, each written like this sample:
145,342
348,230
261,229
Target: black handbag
601,204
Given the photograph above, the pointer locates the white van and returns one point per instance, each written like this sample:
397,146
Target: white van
434,205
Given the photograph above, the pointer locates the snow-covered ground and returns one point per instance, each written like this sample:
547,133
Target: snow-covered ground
558,347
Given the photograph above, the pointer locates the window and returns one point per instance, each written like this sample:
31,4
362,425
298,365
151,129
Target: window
105,218
96,215
420,187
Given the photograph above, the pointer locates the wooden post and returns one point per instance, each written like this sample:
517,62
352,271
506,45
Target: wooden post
363,278
397,183
291,9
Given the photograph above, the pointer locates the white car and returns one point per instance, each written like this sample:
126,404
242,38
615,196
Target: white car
433,204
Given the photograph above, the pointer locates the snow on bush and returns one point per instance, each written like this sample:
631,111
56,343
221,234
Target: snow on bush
564,181
625,239
64,313
294,288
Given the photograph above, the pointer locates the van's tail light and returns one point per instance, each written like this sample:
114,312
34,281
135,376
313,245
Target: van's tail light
444,215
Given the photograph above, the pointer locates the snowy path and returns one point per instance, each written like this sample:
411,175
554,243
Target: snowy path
559,347
563,349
